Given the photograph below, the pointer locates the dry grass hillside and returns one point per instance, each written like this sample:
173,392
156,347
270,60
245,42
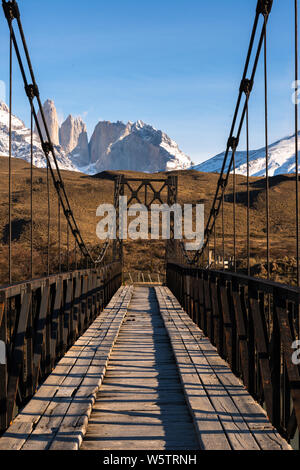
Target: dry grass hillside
86,193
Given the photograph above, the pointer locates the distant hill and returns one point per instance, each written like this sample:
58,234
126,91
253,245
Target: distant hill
86,193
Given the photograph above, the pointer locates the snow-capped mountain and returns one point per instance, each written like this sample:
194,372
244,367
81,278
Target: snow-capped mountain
281,160
21,142
134,146
113,146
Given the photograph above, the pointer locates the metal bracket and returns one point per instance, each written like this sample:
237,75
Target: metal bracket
68,213
11,10
246,86
233,143
32,91
264,7
59,184
47,147
222,183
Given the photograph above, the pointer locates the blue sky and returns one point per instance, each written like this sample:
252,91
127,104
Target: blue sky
174,64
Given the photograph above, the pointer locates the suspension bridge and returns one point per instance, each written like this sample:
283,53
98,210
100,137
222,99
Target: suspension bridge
204,361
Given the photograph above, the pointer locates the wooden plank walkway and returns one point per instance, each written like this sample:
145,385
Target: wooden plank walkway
143,377
57,416
141,403
226,417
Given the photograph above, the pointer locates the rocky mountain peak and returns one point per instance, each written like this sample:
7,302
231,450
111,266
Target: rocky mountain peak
4,107
113,146
105,134
70,131
51,120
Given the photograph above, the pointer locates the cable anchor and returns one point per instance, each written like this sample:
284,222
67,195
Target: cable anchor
32,91
222,183
233,143
59,184
11,10
47,147
246,86
68,213
264,7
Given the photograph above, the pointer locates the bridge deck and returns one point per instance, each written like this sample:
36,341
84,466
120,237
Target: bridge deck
164,387
141,404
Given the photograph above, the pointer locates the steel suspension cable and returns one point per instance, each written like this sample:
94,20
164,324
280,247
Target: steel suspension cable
48,221
11,11
263,8
248,187
59,236
297,142
68,247
215,247
208,254
234,213
249,54
75,256
223,230
267,148
10,164
31,194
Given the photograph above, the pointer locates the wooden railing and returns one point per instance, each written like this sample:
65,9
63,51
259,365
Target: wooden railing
39,321
254,325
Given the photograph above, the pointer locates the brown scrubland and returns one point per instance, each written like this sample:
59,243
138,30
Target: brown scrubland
87,192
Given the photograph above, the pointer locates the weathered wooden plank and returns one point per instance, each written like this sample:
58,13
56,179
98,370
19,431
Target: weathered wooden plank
69,382
237,432
74,423
210,434
252,414
145,404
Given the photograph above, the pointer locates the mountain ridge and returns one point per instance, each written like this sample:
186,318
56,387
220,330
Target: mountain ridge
281,160
113,146
134,146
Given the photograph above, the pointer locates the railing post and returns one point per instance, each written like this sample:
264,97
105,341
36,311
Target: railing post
42,331
202,316
29,353
241,327
215,312
275,354
208,307
68,307
287,334
3,363
18,353
228,324
58,296
261,342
